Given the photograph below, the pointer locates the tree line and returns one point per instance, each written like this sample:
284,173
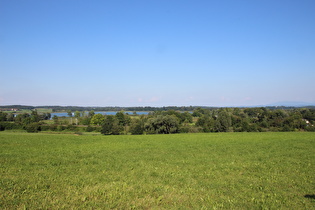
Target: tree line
117,108
166,122
99,109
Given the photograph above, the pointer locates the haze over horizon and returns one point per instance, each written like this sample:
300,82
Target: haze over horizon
157,53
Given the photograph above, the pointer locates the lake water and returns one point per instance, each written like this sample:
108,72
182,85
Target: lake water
65,114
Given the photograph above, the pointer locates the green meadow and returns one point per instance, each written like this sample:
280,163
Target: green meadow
179,171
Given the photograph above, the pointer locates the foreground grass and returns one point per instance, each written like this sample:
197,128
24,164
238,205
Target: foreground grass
225,170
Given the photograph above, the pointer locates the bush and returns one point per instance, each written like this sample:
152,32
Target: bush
2,127
44,127
184,129
195,129
310,128
53,127
33,128
71,128
60,128
274,129
98,129
89,129
286,128
10,126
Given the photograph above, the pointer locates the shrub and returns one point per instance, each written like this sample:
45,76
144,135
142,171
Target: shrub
10,126
310,128
44,127
33,128
196,129
286,128
60,128
184,129
98,129
89,129
2,127
53,127
71,128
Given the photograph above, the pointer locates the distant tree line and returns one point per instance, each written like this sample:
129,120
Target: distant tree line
99,109
166,122
137,109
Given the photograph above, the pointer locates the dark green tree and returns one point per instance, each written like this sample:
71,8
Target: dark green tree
111,126
137,127
22,117
69,113
91,113
34,116
3,116
77,114
55,119
32,127
223,121
162,124
122,118
10,117
206,122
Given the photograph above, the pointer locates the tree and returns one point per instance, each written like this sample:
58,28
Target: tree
2,127
111,126
91,113
45,116
97,119
20,118
309,114
206,123
136,127
34,116
10,117
162,124
85,121
69,113
198,112
32,127
276,118
123,120
56,119
185,117
3,116
77,114
223,122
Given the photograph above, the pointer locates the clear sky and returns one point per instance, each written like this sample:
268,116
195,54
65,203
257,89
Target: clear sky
157,52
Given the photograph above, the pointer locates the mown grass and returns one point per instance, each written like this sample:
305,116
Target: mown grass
184,171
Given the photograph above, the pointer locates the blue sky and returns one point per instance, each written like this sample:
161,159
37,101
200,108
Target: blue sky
157,52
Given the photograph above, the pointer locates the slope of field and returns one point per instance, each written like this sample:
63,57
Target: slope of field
216,170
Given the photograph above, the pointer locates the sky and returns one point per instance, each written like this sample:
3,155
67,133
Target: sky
157,52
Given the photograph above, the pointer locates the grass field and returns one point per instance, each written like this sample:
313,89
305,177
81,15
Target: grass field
184,171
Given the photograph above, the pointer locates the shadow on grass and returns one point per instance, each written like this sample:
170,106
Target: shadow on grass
309,196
